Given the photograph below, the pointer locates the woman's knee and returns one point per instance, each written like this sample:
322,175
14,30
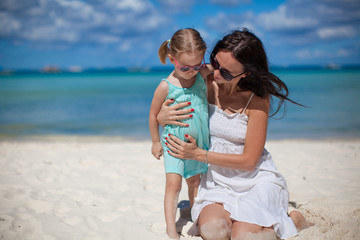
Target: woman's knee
215,229
214,222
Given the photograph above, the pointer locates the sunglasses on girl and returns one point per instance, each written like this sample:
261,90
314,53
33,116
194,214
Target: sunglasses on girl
223,72
187,68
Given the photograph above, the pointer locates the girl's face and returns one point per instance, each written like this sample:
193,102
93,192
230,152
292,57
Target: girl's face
228,67
192,59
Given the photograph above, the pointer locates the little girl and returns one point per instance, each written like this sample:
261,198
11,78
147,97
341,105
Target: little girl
185,51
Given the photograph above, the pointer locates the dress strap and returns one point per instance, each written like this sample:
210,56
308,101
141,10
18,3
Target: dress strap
252,95
164,79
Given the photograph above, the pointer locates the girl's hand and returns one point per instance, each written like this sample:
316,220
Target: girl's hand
171,114
181,149
157,150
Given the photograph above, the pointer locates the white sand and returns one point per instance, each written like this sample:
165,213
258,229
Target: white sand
90,188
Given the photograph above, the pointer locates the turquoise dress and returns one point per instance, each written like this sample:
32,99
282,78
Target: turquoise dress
198,127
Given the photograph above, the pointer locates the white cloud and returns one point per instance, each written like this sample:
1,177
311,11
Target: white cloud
105,38
223,22
230,3
131,5
204,34
303,54
140,26
176,6
343,52
281,19
77,5
336,32
77,21
124,46
308,22
313,54
297,22
8,25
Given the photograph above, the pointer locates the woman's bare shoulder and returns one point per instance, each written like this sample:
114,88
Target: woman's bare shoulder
258,103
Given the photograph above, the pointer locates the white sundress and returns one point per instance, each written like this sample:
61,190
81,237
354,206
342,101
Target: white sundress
259,197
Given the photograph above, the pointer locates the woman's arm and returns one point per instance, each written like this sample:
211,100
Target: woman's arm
254,142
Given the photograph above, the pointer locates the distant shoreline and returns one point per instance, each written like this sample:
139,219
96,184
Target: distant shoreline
117,138
58,70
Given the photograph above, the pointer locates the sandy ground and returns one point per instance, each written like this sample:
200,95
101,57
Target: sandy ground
111,188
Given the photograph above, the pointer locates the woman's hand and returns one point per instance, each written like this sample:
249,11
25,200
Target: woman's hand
181,149
171,114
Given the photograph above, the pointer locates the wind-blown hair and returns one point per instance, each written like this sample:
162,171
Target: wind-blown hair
183,40
249,51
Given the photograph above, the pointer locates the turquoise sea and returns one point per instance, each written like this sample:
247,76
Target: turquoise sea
117,104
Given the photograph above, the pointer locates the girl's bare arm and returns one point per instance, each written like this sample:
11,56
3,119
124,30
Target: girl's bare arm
159,96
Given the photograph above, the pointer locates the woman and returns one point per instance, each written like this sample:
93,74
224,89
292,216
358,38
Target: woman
242,193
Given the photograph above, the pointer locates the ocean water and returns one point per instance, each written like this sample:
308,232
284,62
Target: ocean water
117,104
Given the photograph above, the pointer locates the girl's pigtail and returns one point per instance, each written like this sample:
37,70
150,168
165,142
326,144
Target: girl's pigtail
163,51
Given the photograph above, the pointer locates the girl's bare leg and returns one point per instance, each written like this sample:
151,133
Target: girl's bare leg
193,186
214,222
172,190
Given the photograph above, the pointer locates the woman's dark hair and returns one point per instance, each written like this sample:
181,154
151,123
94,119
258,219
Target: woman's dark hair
249,51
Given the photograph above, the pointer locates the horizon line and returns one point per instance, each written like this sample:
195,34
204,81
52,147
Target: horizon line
78,69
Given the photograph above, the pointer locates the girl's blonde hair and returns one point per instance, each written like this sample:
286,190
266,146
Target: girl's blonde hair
183,40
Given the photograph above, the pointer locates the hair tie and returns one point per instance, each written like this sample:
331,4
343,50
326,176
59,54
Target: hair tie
169,41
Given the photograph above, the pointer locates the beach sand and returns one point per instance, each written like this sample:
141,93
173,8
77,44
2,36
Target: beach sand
112,188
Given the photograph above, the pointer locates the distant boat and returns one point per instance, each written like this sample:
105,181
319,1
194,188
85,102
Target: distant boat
50,69
139,69
6,72
332,66
75,69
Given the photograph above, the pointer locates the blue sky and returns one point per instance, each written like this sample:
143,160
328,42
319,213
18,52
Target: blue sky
128,33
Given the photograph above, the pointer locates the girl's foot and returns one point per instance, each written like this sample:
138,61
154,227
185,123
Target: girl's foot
170,238
173,235
300,221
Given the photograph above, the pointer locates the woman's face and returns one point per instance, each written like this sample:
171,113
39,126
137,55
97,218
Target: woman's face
228,65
